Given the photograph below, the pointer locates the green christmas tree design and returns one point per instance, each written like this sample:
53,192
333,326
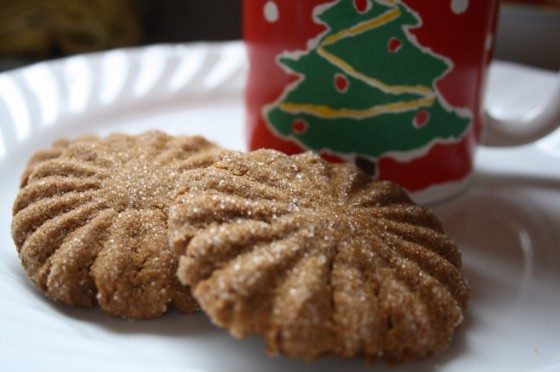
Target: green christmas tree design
379,100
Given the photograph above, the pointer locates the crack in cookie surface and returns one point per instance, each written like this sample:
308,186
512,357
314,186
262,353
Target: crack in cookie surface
90,222
316,257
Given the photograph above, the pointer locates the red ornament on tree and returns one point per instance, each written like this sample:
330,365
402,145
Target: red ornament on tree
341,83
299,126
394,45
421,118
362,6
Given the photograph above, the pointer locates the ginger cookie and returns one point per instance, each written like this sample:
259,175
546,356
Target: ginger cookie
90,222
318,258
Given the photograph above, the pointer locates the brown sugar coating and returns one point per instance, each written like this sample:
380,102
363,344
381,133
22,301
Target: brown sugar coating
90,222
316,257
40,156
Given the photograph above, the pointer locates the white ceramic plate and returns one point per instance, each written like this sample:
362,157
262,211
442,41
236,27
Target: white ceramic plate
507,223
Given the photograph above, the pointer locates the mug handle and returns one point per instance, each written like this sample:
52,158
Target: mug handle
523,130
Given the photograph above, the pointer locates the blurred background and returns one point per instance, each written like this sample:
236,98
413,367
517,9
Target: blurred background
34,30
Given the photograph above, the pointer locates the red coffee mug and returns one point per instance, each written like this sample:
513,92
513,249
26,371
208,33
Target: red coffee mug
393,86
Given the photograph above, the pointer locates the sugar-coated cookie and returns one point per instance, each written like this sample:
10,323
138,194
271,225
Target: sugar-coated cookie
317,258
90,221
